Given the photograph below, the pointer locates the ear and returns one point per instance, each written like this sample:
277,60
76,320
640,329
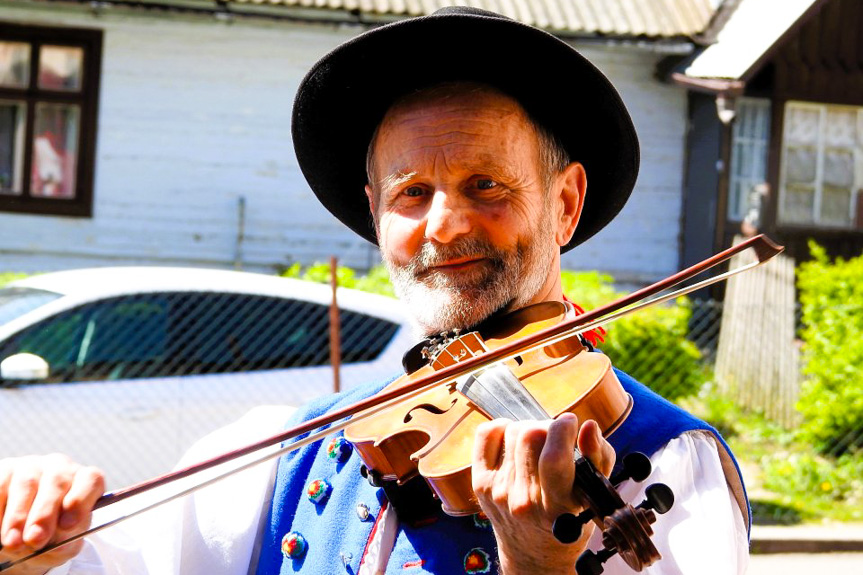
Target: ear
370,194
568,193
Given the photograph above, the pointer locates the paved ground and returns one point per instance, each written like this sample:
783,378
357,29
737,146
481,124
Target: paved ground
809,538
825,549
806,564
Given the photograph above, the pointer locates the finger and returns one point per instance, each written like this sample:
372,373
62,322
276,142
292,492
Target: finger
527,439
556,466
5,477
593,445
23,485
488,446
87,487
54,484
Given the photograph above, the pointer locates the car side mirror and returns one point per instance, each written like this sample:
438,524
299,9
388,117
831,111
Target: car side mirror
23,367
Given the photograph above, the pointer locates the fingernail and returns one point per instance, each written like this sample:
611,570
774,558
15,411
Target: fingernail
34,535
69,519
13,538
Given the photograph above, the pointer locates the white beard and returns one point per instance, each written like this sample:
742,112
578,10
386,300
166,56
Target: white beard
508,279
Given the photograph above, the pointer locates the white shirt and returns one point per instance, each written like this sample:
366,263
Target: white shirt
215,530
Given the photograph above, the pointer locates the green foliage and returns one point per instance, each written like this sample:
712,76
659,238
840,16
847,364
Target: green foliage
6,277
588,289
822,483
787,481
376,281
651,344
831,400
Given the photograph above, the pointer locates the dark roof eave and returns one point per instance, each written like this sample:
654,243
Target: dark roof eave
716,86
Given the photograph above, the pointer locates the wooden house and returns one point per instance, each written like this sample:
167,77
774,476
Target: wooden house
158,132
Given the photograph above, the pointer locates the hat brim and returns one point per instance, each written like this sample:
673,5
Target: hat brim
345,95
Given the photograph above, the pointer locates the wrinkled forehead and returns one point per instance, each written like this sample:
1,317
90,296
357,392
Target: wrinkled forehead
483,127
454,95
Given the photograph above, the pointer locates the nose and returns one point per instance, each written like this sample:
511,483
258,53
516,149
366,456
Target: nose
447,218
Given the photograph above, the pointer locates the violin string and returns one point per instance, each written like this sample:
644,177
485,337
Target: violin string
297,444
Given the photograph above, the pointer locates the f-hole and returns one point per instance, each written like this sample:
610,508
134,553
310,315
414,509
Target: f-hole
431,408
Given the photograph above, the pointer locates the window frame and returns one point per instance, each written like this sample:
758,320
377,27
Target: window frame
758,113
90,40
816,223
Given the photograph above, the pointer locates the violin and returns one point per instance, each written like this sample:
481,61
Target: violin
524,356
432,434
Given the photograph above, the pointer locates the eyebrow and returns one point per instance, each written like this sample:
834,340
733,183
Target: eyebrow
395,180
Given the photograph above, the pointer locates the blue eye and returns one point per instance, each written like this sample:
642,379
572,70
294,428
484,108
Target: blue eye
414,191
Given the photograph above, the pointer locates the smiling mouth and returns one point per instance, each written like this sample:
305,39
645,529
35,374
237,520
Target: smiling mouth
458,264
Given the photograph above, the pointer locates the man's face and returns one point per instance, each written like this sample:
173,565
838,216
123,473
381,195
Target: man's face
464,221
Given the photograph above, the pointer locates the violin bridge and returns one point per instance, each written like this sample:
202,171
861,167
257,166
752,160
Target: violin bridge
500,394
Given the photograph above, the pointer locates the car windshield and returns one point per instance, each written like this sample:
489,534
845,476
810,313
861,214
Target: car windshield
16,301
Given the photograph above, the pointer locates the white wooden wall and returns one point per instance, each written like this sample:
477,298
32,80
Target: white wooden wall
642,243
195,114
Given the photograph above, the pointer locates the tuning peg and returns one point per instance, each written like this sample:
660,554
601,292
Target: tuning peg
567,527
660,498
590,563
636,466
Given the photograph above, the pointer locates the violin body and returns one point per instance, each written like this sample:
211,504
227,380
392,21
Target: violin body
432,434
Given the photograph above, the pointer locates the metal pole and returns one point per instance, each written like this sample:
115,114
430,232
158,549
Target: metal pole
241,232
335,328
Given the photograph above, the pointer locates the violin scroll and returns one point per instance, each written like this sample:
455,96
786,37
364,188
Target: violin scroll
625,529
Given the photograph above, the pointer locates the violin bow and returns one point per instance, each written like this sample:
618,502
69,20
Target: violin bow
764,250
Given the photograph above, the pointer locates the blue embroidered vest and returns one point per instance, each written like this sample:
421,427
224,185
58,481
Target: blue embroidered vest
336,535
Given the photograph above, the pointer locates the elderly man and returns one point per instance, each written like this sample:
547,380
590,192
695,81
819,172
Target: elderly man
474,138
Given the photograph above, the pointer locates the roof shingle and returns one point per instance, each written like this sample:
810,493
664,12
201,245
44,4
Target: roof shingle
623,18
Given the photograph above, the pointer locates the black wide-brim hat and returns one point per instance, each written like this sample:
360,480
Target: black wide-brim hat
344,97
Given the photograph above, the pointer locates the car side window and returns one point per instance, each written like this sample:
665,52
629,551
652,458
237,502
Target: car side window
124,338
364,337
116,338
224,333
57,340
185,333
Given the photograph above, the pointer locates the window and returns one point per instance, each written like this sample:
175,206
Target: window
750,138
57,340
822,165
15,302
223,333
49,85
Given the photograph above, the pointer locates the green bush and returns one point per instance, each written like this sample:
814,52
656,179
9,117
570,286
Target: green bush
831,399
822,483
6,277
650,344
588,289
376,281
788,481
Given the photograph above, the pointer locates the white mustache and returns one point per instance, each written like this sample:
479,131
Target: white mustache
431,255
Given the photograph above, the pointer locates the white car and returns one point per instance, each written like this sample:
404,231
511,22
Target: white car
124,368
